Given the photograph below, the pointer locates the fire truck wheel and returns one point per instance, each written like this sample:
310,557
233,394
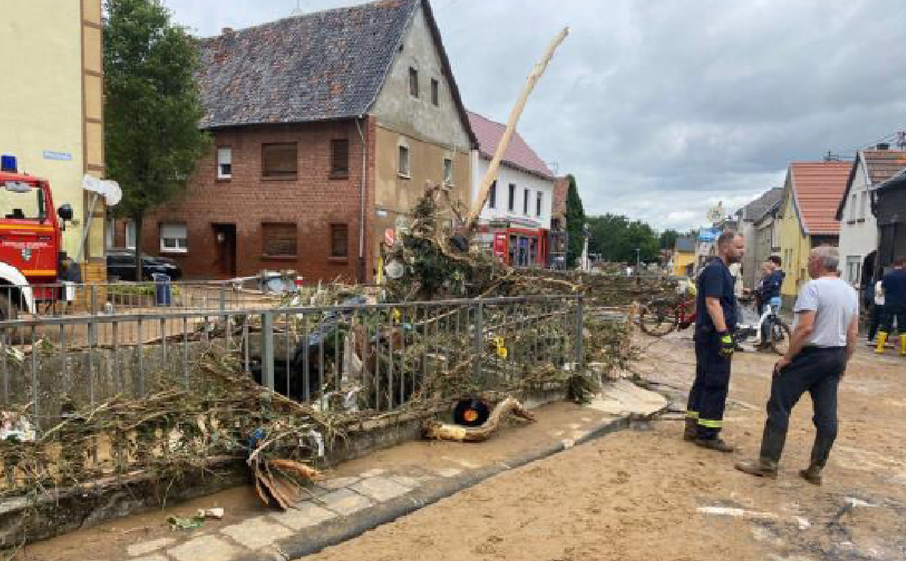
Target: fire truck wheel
7,310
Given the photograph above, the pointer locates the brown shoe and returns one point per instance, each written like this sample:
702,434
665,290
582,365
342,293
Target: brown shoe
758,468
715,444
812,475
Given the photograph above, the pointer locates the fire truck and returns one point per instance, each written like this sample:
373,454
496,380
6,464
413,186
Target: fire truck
32,261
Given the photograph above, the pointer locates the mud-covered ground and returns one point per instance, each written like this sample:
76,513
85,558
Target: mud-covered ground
646,495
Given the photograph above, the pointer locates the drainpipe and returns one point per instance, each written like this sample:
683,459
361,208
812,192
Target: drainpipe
361,267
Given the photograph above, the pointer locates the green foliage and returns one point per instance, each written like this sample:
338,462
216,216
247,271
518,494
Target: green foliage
575,223
668,238
616,239
152,105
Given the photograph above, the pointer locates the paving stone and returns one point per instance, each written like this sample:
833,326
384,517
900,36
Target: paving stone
373,473
307,515
380,488
338,482
143,548
411,482
256,533
205,548
345,502
447,472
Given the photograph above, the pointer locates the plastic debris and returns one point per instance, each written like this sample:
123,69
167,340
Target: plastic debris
180,523
16,427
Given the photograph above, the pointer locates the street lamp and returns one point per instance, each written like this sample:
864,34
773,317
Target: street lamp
638,258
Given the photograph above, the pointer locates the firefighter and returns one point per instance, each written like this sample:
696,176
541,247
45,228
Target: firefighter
894,292
714,345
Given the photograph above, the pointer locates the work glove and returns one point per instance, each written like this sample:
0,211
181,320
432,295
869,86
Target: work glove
727,344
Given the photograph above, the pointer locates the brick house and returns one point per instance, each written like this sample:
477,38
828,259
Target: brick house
326,129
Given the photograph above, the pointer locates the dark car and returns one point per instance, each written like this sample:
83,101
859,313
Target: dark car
121,263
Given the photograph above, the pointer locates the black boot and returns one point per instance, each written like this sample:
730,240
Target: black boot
690,433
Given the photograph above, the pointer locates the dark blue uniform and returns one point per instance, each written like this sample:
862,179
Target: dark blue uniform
894,284
708,397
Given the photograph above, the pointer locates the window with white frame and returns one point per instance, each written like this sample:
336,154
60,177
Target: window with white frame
131,236
173,238
448,172
525,201
853,269
539,201
224,162
403,164
863,205
852,207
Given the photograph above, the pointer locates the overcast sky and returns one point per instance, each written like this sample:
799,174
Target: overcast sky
661,108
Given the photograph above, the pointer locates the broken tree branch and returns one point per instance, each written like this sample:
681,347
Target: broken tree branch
491,175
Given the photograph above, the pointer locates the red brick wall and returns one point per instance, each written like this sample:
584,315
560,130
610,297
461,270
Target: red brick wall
312,201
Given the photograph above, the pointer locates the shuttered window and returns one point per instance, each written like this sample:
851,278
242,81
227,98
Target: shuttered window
279,239
278,161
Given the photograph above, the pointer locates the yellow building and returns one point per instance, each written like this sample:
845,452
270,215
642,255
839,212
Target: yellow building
683,257
51,108
811,195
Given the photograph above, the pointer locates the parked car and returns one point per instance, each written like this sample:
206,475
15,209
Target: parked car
121,264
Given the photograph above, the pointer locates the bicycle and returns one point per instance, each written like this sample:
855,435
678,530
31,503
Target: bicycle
778,331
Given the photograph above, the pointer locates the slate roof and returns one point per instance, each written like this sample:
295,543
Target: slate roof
880,165
817,188
315,67
685,245
757,208
518,153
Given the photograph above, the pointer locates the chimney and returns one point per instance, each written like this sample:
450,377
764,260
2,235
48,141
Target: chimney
226,30
883,146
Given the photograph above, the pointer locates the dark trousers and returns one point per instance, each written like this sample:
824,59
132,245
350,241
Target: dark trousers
894,313
877,315
708,397
818,372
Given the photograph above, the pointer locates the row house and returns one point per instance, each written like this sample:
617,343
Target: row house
858,224
327,128
746,219
811,193
515,222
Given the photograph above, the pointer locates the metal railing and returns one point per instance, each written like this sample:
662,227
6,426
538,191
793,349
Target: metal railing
361,356
65,298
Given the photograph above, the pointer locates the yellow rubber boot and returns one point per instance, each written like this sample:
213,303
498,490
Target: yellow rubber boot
902,345
882,343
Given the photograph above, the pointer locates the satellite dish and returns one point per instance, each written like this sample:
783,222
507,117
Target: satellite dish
110,190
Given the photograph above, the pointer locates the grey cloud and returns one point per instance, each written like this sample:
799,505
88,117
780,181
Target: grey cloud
661,108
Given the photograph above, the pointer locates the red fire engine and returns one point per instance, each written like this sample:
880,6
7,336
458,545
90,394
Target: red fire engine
31,255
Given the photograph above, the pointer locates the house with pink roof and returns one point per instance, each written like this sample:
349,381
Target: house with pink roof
515,222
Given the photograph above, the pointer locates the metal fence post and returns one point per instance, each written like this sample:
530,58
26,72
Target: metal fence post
222,297
267,349
580,325
479,338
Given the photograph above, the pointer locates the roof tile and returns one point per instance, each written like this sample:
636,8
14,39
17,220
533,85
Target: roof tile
518,152
818,187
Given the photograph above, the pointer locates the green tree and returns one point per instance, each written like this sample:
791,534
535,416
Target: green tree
152,107
575,223
616,239
668,238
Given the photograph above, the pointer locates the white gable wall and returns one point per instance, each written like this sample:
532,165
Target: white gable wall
510,175
858,228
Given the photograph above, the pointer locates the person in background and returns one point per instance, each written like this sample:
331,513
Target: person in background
823,341
769,295
877,310
894,287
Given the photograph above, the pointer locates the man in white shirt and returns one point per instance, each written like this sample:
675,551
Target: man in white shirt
824,339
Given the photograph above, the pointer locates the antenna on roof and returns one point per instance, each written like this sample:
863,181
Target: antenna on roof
555,167
298,11
901,140
831,157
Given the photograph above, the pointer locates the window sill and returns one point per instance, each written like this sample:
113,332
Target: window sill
338,260
339,175
280,257
860,220
402,176
850,222
293,178
175,251
223,180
